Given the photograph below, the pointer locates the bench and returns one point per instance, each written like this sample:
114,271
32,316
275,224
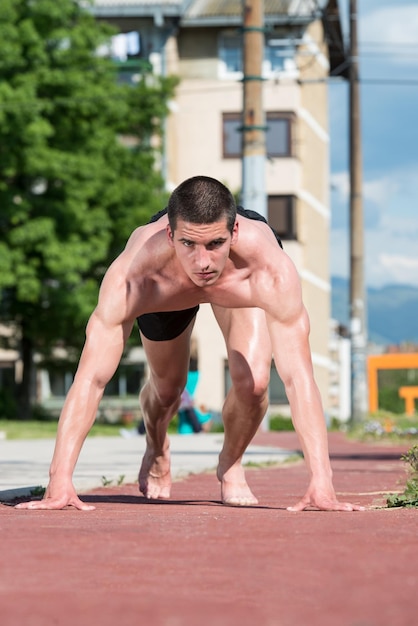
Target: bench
409,394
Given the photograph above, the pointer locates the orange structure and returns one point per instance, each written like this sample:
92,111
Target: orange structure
388,362
409,394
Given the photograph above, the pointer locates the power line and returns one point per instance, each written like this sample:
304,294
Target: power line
400,44
391,82
397,82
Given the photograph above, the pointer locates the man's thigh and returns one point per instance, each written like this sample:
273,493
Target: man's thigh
247,340
168,361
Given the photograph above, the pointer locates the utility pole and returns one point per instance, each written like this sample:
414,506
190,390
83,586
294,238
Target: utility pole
253,128
253,118
358,304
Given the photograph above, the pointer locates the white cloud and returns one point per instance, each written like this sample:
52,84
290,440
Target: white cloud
390,162
386,261
395,24
339,258
377,190
340,182
391,255
401,263
390,246
399,269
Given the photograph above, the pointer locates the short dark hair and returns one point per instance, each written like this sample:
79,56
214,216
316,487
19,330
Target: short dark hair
201,200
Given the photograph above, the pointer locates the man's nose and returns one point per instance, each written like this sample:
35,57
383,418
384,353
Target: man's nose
203,258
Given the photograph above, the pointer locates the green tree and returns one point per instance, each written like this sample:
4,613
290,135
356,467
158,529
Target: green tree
71,190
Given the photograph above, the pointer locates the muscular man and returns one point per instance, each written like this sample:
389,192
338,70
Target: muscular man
199,250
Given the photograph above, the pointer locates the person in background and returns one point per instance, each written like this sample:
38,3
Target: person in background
191,418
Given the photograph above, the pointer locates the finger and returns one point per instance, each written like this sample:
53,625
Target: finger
347,506
82,506
51,505
36,505
28,505
300,506
339,506
328,506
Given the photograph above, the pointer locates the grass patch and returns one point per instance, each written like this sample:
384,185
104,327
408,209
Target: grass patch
280,423
47,429
260,464
291,458
34,429
385,426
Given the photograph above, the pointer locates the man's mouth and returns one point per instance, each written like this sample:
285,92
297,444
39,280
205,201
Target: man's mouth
205,275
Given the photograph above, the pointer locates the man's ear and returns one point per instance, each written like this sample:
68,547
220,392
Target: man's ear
170,236
234,234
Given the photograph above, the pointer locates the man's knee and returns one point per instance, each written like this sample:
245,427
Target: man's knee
166,393
251,385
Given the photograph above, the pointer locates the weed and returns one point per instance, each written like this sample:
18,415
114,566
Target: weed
409,498
253,464
291,458
120,479
108,481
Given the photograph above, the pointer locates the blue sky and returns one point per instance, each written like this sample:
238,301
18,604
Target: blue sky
388,46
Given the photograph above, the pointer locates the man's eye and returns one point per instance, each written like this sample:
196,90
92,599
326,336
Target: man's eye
215,244
188,244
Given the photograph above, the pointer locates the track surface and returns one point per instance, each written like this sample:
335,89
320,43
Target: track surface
191,561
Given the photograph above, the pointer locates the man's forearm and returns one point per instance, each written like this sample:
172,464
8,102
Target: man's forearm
77,418
309,422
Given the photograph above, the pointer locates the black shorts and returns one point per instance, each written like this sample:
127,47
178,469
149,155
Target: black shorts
167,325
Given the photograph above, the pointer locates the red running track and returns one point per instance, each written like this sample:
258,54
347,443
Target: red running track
191,561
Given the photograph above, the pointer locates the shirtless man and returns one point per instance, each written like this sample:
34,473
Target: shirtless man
202,251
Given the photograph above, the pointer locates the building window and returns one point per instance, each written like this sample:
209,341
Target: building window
282,215
230,52
129,56
60,379
278,135
231,134
277,393
126,381
280,55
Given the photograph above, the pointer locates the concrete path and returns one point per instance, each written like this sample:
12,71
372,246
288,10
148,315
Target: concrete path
24,465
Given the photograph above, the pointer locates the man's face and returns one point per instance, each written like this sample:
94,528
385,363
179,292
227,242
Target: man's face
202,249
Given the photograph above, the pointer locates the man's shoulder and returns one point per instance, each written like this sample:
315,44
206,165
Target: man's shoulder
256,238
257,224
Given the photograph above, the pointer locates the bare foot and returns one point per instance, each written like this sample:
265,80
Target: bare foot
154,476
234,488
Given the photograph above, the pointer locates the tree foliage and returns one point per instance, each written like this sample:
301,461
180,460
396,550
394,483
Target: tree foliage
71,190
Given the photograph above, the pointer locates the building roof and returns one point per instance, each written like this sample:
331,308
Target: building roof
137,3
209,11
223,13
136,8
199,9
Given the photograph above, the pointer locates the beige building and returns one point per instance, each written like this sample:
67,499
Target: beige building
201,42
